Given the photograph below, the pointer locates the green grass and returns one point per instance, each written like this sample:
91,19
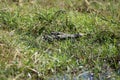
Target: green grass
26,56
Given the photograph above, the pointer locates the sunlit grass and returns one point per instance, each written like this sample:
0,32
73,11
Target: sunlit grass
25,55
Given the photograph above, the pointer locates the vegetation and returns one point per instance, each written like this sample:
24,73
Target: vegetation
25,55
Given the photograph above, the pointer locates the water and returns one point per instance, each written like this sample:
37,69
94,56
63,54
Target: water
87,75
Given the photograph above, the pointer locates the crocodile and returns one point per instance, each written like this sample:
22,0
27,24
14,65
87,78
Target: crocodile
61,36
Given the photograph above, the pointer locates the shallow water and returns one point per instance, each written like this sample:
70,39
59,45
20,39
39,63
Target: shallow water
87,75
